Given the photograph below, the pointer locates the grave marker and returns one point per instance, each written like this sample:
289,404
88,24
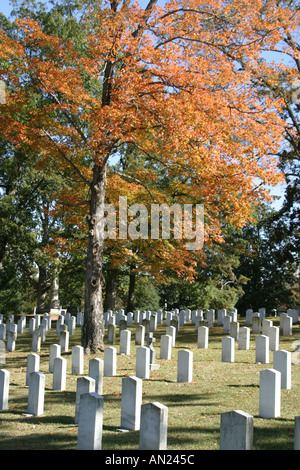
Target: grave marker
185,366
59,373
153,428
236,431
4,388
282,361
90,421
36,394
131,403
96,371
269,393
84,385
110,361
228,349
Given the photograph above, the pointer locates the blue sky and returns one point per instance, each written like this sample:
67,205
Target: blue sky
5,7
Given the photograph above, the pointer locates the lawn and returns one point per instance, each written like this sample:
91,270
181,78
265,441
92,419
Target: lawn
194,409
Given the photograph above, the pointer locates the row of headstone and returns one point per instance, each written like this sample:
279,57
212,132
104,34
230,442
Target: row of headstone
151,419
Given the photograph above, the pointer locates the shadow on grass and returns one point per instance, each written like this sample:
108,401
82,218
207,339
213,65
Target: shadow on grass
37,441
276,437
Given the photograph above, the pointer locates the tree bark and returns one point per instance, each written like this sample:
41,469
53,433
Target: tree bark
54,291
42,290
93,327
111,289
130,300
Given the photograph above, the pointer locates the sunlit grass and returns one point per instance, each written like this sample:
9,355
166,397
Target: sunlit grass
194,409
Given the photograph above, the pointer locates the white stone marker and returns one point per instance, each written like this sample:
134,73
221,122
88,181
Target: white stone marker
297,433
220,316
125,338
72,325
4,388
236,431
266,324
154,427
171,331
273,333
228,349
64,341
140,335
249,313
256,324
262,349
32,323
131,403
143,362
77,360
185,366
11,341
153,322
96,371
84,385
287,326
59,373
234,329
244,338
110,361
165,347
203,332
36,394
269,393
2,331
226,323
54,352
33,365
282,361
90,421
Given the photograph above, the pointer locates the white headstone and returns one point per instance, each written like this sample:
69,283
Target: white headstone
59,373
154,426
262,349
96,371
36,393
110,361
90,421
203,332
4,388
236,431
125,338
269,393
228,344
143,362
282,361
244,338
185,366
84,385
77,360
131,403
54,352
165,347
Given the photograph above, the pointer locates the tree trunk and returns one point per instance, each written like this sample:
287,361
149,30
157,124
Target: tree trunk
93,327
111,289
130,299
54,291
42,290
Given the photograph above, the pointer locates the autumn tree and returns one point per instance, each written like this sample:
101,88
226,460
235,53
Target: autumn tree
169,86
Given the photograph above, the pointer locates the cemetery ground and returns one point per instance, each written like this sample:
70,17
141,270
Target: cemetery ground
194,408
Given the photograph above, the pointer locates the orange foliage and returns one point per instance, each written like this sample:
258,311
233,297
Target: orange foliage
177,85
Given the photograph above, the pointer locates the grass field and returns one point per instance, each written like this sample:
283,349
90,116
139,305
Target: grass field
194,409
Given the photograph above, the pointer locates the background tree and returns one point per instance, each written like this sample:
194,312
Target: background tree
168,86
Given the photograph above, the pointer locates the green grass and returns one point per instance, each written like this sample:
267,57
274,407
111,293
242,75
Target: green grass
194,409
